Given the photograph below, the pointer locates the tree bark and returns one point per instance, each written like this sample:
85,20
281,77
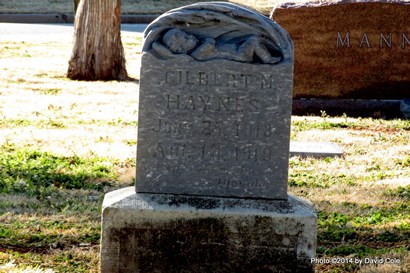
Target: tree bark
76,2
98,53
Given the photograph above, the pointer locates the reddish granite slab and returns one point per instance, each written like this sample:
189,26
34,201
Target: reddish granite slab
349,49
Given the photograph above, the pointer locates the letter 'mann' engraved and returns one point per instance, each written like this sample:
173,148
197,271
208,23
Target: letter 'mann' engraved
405,41
364,40
342,42
385,41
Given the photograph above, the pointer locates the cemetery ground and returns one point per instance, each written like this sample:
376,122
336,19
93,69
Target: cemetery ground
64,144
127,6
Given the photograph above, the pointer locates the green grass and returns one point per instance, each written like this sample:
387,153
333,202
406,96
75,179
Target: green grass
65,144
356,124
56,204
362,198
402,192
50,204
29,171
48,91
59,122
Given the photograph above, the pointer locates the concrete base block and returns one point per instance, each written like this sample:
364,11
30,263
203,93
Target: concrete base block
177,234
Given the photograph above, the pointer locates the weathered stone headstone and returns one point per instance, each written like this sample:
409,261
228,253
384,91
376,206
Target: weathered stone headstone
214,116
213,149
348,49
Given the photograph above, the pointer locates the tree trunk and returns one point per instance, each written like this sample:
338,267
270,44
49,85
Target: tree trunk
76,2
98,53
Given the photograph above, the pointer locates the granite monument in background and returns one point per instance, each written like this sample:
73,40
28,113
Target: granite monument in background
349,49
213,149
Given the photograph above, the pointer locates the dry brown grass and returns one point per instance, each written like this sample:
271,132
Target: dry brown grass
127,6
367,151
40,108
63,123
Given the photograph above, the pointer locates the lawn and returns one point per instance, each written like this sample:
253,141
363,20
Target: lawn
127,6
64,144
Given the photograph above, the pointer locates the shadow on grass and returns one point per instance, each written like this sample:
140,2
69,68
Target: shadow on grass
362,232
27,170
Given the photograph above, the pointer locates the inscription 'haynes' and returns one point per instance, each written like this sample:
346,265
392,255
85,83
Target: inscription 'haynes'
215,106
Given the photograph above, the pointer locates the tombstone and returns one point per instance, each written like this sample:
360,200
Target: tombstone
210,120
405,108
349,49
213,149
315,149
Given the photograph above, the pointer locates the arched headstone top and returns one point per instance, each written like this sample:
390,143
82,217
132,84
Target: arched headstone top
215,103
218,30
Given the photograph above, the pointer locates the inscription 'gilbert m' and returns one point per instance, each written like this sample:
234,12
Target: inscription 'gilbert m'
202,78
